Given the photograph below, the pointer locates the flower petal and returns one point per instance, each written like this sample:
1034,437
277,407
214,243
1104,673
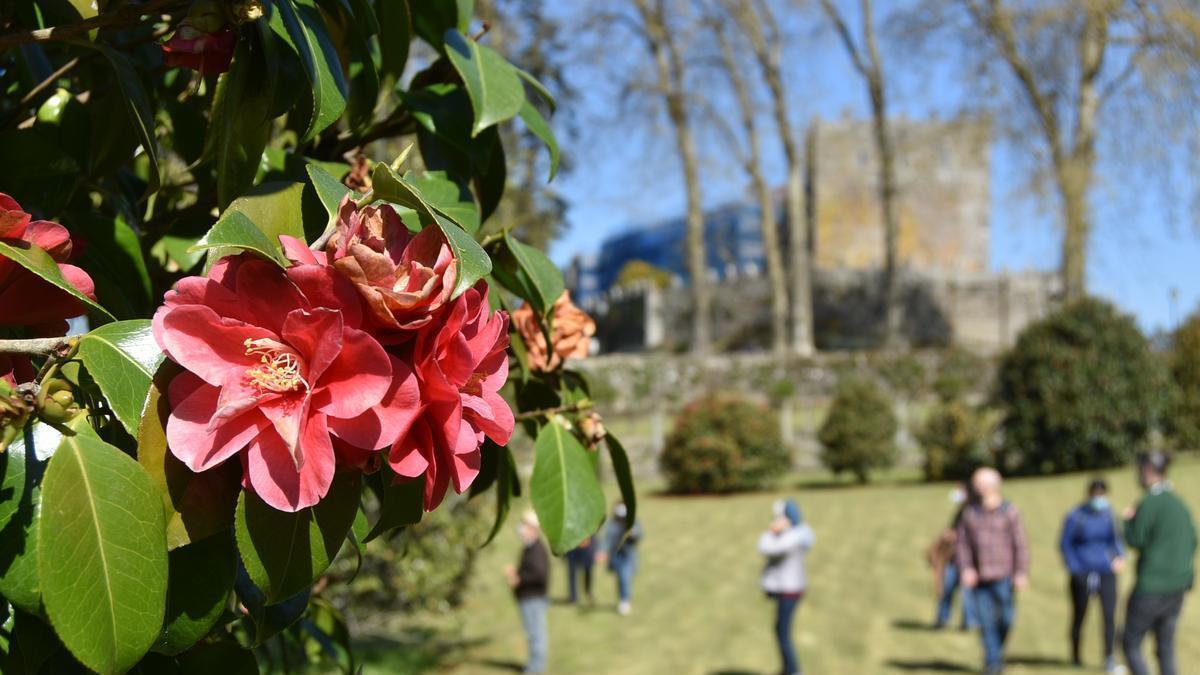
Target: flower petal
205,343
188,434
357,379
380,426
266,294
317,336
275,478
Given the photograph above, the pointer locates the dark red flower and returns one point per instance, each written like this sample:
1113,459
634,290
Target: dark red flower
204,52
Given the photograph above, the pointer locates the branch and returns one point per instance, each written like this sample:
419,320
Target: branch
34,346
547,412
125,17
843,31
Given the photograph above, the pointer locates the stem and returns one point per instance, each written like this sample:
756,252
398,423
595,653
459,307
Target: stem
124,17
547,412
33,346
54,77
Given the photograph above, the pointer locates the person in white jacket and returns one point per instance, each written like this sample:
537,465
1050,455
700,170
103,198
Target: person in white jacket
785,544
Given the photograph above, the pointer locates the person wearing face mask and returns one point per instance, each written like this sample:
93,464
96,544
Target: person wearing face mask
785,545
1093,555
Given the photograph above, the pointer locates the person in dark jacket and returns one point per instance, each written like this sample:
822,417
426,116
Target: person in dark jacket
529,581
1094,556
579,563
1161,530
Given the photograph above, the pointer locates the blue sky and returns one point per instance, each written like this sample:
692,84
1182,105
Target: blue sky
625,172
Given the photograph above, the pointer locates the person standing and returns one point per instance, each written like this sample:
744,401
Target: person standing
785,545
1092,552
994,554
530,580
1161,530
579,563
941,556
621,552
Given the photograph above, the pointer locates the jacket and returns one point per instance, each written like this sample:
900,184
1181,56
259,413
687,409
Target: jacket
533,574
1089,541
785,552
1163,533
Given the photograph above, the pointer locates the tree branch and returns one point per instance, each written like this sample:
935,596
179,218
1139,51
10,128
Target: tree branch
547,412
33,346
843,31
124,17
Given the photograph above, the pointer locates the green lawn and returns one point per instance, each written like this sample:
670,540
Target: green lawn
697,608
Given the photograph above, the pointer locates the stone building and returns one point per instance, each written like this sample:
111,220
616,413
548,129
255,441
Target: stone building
949,294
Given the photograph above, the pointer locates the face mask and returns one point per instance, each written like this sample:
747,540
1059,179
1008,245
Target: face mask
1099,503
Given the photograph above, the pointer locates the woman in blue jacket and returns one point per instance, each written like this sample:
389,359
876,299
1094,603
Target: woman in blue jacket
1092,551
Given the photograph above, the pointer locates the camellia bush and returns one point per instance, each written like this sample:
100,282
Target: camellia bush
859,432
282,349
1079,390
723,443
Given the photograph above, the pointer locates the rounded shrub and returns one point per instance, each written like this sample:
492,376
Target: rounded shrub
1183,415
954,439
1079,390
859,432
723,443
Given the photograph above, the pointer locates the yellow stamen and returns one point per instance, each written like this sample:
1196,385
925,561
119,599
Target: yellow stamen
280,369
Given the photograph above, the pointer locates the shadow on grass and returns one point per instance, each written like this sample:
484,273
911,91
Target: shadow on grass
413,650
913,624
1037,661
734,671
935,665
501,664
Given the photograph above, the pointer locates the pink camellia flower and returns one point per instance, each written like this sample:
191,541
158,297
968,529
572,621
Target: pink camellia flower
25,298
277,364
461,362
204,52
572,334
404,278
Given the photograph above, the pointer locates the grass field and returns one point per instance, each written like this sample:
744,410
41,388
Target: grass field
697,608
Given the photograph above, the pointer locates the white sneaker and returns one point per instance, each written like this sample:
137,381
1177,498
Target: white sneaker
624,608
1114,668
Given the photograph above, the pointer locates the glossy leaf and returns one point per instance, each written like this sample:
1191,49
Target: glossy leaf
235,230
306,28
537,273
448,198
284,553
102,554
113,257
122,358
255,221
329,189
508,485
201,578
566,493
492,83
624,474
364,77
539,127
400,503
268,620
40,263
240,122
197,505
539,88
431,18
24,466
137,104
395,22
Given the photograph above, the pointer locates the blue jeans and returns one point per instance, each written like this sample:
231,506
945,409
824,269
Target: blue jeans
951,583
575,565
533,617
785,609
624,565
994,605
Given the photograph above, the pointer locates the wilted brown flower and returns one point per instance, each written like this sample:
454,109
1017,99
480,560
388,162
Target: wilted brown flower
572,334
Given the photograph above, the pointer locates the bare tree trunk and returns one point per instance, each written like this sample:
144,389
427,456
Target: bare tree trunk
766,205
669,68
755,21
869,65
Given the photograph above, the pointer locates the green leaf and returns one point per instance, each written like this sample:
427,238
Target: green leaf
358,533
540,128
306,28
225,657
102,554
624,475
122,358
431,18
40,263
448,198
197,505
539,88
400,503
201,579
508,485
537,273
492,83
473,261
240,122
284,553
565,491
269,620
24,464
395,29
256,220
137,104
329,189
113,257
364,78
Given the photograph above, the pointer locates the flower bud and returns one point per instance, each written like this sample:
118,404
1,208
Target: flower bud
56,402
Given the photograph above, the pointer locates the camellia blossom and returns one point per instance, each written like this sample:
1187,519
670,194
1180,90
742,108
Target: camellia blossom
403,278
201,51
25,298
461,362
277,365
572,334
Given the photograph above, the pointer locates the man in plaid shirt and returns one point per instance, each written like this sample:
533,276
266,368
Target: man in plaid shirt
994,557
